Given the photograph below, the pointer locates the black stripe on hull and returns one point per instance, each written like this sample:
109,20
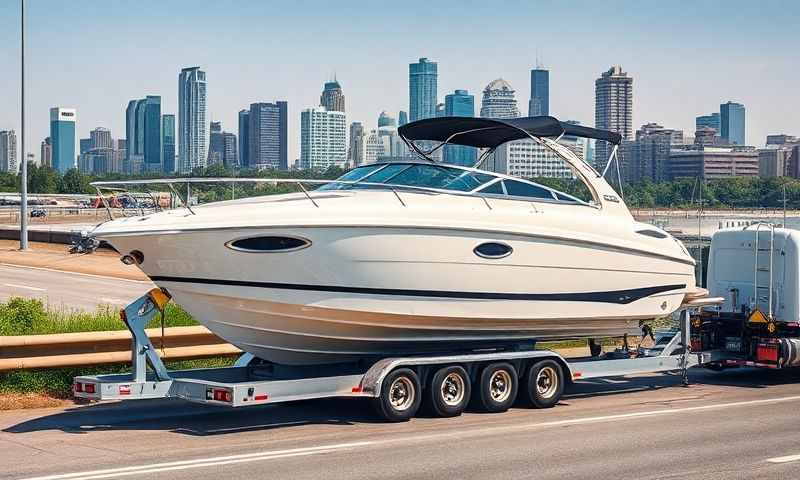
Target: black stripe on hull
622,297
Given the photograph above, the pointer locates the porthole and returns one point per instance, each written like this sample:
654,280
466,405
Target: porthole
268,244
493,250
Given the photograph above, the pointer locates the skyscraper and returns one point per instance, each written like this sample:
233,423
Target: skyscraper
355,152
216,144
647,157
267,136
230,158
323,139
100,138
710,121
539,104
84,145
422,85
460,104
62,136
332,97
168,142
8,151
499,101
244,138
192,133
143,130
613,109
732,126
402,118
386,121
46,153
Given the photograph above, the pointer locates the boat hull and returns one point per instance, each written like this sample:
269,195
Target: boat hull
364,291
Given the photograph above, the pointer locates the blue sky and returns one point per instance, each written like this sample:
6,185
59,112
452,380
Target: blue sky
686,57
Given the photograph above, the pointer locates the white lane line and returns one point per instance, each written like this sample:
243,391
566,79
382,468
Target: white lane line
202,462
26,287
786,459
461,434
92,275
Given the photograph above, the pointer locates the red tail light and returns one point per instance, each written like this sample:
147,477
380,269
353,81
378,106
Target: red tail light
78,387
767,352
221,395
88,387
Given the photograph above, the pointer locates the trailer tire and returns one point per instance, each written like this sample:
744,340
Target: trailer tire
448,392
400,396
497,387
544,383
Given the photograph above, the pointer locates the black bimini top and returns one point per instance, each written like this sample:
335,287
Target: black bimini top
493,132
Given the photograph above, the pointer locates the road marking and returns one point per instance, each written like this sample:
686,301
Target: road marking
26,287
786,459
461,434
202,462
114,301
92,275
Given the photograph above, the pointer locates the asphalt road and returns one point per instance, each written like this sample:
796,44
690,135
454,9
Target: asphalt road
737,424
68,289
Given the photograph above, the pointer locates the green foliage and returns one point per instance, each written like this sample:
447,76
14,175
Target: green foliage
57,382
26,316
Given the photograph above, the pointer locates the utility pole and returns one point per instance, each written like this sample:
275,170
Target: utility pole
23,204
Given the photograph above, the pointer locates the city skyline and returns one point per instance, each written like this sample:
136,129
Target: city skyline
752,70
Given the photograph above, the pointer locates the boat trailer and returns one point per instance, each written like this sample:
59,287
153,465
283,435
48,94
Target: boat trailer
396,385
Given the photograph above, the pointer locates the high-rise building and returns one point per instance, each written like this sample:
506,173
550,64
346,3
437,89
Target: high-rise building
244,138
499,101
774,162
375,147
46,153
143,130
386,121
168,142
100,138
402,118
84,145
459,104
332,97
62,136
192,133
355,152
323,139
230,158
216,144
267,136
781,139
422,84
647,157
539,104
710,121
732,126
8,151
613,109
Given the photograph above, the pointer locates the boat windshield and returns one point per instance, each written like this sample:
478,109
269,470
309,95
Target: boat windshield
412,175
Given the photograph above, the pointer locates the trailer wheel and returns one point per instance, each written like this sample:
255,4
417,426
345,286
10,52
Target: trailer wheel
544,383
448,392
400,396
497,387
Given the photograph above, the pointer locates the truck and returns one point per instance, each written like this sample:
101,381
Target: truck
756,272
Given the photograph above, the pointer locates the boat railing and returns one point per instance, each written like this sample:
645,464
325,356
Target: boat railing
122,187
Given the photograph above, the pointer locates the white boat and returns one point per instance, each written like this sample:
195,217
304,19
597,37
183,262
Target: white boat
414,256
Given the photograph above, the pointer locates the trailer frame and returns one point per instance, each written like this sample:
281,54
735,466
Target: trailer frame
251,381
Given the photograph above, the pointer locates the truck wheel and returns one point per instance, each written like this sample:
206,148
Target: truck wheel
448,392
400,396
544,383
497,387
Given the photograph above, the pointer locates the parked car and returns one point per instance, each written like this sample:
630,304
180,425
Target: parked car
38,212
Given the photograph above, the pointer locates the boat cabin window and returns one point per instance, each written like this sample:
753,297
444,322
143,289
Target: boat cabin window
433,176
359,173
522,189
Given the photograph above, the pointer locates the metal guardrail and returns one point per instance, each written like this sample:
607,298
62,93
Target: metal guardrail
98,348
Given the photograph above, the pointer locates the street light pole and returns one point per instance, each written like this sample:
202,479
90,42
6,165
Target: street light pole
23,204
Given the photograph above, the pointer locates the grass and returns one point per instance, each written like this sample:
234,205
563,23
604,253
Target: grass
29,316
26,316
57,382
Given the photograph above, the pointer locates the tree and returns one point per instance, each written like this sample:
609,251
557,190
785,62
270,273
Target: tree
74,182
